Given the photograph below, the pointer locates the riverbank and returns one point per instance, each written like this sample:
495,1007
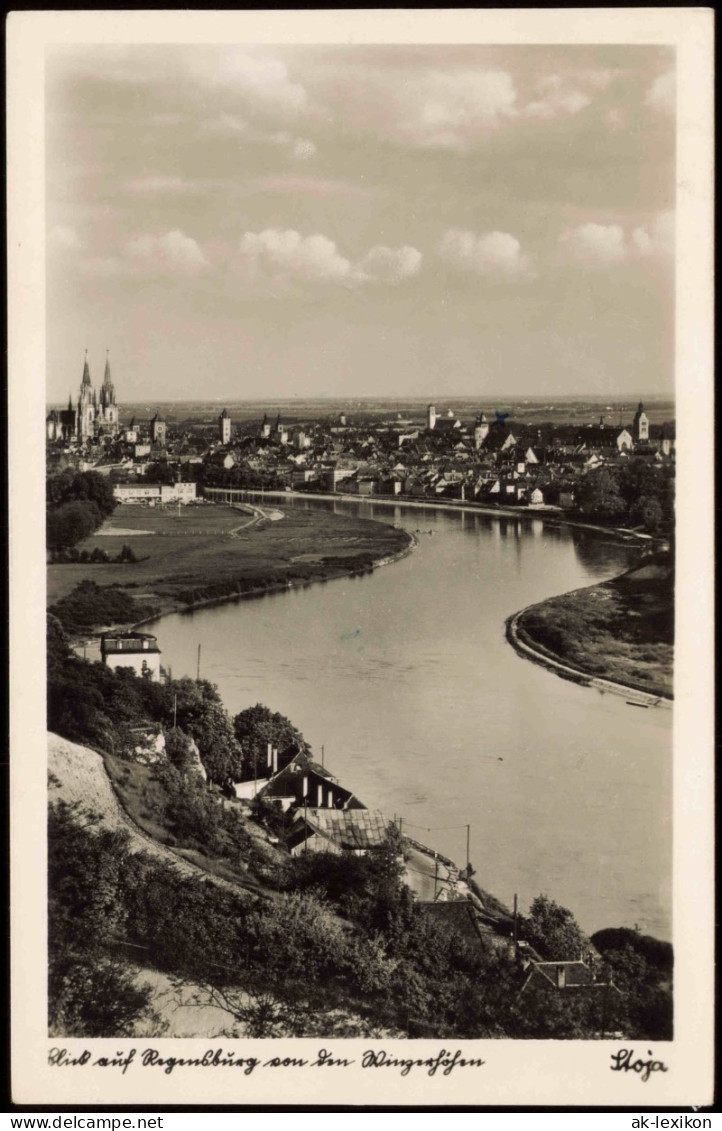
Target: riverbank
550,515
617,636
202,555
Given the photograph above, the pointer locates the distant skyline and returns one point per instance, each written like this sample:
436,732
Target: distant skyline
368,221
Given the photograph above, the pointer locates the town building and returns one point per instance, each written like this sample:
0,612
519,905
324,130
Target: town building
94,415
136,650
154,493
640,425
158,429
224,428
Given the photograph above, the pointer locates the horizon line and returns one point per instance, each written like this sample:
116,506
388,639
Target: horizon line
427,399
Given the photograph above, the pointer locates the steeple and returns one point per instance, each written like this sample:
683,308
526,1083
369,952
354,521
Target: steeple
86,370
107,392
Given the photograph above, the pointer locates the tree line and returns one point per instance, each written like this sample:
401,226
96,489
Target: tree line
637,494
77,503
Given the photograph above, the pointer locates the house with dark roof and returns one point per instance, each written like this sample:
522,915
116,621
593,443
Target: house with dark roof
580,975
304,781
356,831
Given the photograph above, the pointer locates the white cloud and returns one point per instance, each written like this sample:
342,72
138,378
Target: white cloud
233,125
496,254
556,95
657,238
166,254
662,94
449,111
261,80
604,245
595,245
388,264
283,256
288,254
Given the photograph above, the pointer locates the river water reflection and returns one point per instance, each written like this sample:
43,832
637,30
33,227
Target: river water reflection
425,711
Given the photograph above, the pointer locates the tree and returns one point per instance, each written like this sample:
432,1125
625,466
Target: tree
641,967
598,495
553,931
648,513
280,972
257,726
202,715
178,749
71,523
91,991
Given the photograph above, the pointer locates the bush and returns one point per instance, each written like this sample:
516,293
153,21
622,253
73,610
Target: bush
90,605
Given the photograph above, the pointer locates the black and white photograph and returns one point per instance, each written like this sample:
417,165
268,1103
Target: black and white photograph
359,414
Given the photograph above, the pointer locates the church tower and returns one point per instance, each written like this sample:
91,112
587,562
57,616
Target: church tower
158,430
86,406
431,417
108,407
640,425
481,431
224,428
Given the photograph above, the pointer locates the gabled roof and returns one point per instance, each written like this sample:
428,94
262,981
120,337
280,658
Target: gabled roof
349,828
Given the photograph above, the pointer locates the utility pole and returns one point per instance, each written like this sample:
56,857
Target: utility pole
305,828
175,709
436,872
516,943
468,835
198,665
255,772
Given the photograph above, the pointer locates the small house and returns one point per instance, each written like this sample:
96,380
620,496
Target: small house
136,650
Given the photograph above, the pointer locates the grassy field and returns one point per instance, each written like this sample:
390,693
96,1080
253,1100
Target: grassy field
206,551
622,630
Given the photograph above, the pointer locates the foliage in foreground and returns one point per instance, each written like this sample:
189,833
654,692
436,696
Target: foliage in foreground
344,936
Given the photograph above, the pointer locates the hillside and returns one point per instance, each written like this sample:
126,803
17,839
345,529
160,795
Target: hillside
77,776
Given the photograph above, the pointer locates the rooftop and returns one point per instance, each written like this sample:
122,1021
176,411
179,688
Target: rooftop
128,642
350,828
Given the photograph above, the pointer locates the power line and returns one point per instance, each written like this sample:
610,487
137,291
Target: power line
435,828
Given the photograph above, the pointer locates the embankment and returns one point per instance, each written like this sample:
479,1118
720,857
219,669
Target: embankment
617,636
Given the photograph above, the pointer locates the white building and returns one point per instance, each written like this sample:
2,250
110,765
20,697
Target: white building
136,650
153,493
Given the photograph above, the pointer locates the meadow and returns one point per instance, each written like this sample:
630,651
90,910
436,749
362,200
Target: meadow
206,551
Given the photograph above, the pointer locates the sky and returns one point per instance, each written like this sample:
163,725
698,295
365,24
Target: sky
242,221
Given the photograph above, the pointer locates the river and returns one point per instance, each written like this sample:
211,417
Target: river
426,712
